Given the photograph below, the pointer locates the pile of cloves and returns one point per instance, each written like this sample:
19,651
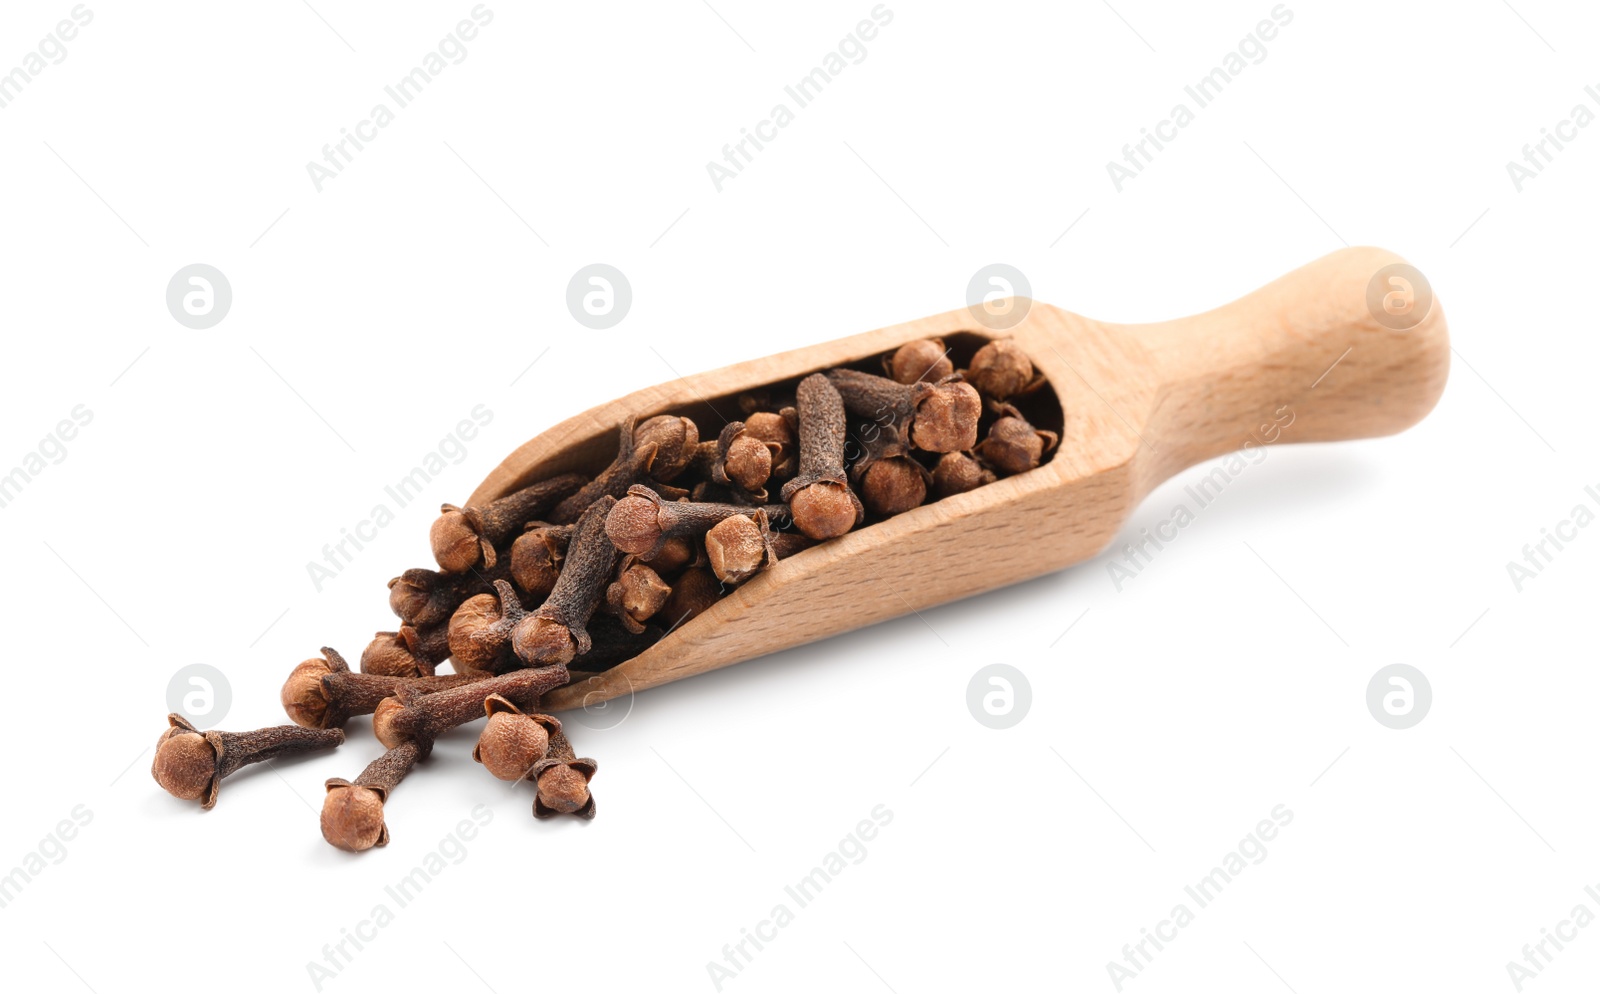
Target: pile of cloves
576,573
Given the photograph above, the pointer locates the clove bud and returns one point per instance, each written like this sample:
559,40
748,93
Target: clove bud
191,764
463,537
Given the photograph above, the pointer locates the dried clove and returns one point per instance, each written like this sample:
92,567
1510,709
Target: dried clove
323,693
563,781
421,719
934,417
463,537
958,472
536,558
410,652
743,461
469,653
820,498
423,597
512,741
636,595
754,451
890,480
1001,369
191,764
677,440
641,522
555,633
1013,445
692,593
352,812
926,360
634,459
674,554
740,547
484,639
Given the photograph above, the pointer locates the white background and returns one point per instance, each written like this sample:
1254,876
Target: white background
1171,718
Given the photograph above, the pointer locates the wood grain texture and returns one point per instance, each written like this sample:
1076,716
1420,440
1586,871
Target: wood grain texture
1141,402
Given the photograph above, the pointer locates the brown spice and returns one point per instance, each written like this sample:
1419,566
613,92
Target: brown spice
740,547
1013,445
512,741
958,472
674,554
641,522
536,558
692,593
563,781
555,633
1001,369
926,360
191,764
632,464
676,439
410,652
819,497
636,594
934,417
423,597
463,537
323,693
421,719
352,813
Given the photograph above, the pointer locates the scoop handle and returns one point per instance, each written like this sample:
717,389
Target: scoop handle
1353,345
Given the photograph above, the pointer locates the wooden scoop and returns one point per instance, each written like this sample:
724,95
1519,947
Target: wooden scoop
1346,347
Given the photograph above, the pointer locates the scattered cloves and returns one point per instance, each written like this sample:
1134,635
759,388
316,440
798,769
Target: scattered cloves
556,633
512,741
563,781
352,812
463,537
819,497
191,764
323,693
421,719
